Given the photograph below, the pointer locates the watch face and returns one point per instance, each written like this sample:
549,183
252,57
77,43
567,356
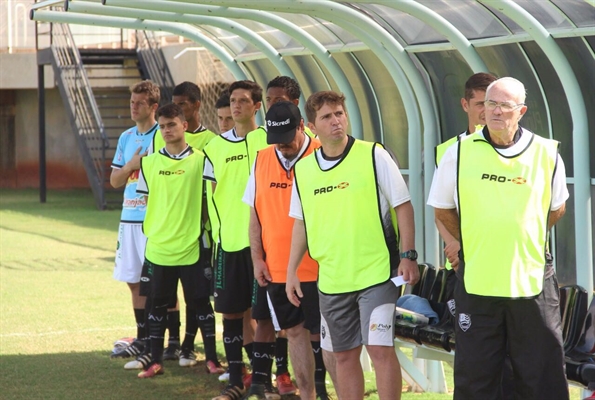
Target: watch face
411,255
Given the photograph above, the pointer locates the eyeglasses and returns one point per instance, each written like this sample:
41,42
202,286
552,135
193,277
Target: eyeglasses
505,107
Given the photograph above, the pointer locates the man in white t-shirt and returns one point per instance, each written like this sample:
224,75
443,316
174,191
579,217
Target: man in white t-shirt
341,200
498,192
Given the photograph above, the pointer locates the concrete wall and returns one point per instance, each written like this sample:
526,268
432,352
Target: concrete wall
19,71
64,164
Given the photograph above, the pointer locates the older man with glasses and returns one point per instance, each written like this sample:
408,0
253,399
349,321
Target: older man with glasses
498,192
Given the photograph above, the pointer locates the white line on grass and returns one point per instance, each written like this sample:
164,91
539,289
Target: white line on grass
56,333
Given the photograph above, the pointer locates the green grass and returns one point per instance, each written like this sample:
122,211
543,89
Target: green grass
60,309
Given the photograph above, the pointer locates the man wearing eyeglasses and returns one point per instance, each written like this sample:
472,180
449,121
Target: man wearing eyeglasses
499,192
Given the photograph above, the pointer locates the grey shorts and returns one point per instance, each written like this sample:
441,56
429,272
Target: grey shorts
365,317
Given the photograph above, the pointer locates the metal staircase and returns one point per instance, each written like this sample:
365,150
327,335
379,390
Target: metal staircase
82,109
94,85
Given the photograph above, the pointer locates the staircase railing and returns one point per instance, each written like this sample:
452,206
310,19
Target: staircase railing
153,64
85,118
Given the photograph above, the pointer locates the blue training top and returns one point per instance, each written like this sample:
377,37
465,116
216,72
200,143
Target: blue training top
134,205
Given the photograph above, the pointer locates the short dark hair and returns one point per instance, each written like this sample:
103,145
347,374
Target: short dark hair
479,81
148,87
319,99
223,100
253,87
188,89
291,86
171,111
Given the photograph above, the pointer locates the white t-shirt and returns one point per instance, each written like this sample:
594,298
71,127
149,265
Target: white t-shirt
443,193
250,192
393,190
208,172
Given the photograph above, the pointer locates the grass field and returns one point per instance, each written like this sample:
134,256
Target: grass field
60,309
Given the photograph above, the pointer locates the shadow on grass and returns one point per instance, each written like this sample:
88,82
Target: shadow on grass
95,376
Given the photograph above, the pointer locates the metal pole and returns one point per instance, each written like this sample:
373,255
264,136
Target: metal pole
41,106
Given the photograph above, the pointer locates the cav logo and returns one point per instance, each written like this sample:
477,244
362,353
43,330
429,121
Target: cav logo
169,173
328,189
519,180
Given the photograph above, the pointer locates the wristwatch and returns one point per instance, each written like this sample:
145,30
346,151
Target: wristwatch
411,254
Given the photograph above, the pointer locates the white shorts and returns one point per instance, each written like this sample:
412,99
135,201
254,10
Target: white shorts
130,253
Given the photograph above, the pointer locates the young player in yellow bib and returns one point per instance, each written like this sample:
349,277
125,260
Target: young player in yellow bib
172,180
341,201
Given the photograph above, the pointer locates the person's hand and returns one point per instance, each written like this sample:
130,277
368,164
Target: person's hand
293,290
261,273
451,251
410,271
134,162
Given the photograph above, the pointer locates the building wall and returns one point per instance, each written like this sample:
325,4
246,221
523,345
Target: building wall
63,161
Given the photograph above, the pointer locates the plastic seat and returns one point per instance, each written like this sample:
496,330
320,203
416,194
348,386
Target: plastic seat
585,346
574,316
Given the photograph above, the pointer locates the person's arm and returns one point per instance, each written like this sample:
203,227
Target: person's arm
261,270
298,249
555,216
450,220
119,176
408,268
452,245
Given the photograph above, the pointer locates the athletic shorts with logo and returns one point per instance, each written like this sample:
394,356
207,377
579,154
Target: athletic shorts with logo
285,315
159,281
130,252
260,304
365,317
234,278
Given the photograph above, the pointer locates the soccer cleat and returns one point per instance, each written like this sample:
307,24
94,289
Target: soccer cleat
152,371
285,385
141,362
187,358
132,350
172,352
224,377
231,393
213,367
122,343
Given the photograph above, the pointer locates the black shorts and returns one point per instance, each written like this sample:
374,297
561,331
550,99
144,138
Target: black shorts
158,281
260,305
234,275
285,315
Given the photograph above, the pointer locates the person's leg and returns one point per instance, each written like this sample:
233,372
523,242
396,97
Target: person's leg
233,296
281,351
341,334
164,282
534,325
264,352
331,366
172,352
350,374
480,347
302,360
249,330
128,267
388,371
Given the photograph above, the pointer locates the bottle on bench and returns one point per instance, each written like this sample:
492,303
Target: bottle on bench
411,316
